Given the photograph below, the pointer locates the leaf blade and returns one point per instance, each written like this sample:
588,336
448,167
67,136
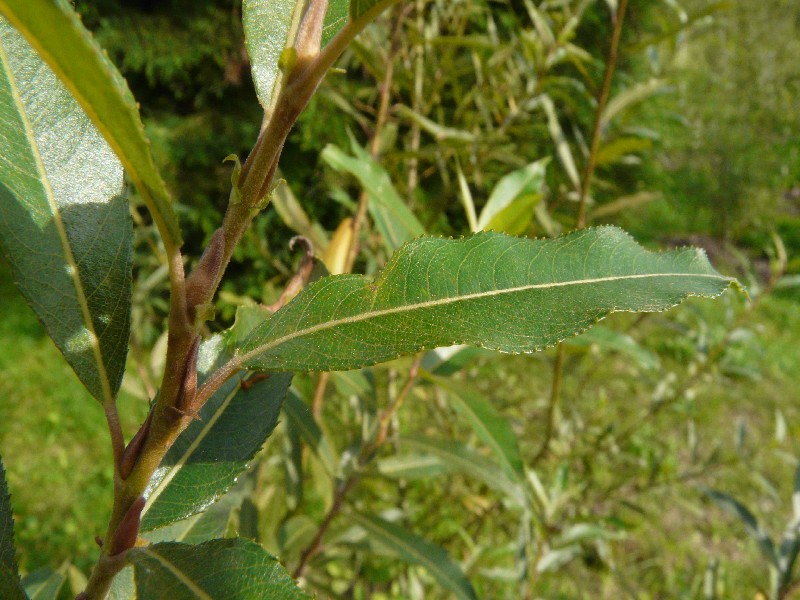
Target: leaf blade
184,572
208,456
436,292
59,37
64,189
417,550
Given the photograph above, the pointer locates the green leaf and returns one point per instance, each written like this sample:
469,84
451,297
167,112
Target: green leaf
306,426
335,19
396,223
56,32
9,578
749,521
270,26
233,569
525,182
411,466
43,584
459,458
206,459
417,551
510,294
201,527
8,556
616,341
123,587
65,227
490,427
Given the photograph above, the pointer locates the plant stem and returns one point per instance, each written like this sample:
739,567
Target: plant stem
602,101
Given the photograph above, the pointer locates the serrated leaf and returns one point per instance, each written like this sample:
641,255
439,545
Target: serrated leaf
58,35
749,521
393,219
209,455
510,294
525,182
8,555
10,584
459,458
233,569
490,427
65,227
201,527
616,341
418,551
43,584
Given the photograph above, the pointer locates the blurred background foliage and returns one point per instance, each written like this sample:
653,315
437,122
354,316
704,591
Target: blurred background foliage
486,106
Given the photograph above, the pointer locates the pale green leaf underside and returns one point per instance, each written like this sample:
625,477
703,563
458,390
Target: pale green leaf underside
65,227
55,30
43,584
233,569
210,454
418,551
492,290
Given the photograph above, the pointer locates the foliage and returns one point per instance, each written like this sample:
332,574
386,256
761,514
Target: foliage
507,125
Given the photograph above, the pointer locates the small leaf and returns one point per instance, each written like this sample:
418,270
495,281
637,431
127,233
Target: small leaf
58,35
43,584
65,227
396,223
490,427
616,341
411,466
510,294
233,569
418,551
206,459
527,181
750,522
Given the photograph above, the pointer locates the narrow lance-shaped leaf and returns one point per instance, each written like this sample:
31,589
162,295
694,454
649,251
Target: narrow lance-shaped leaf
65,227
510,294
233,569
206,459
55,30
418,551
490,427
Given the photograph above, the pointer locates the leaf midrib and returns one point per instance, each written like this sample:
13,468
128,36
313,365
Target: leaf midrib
178,574
374,314
73,270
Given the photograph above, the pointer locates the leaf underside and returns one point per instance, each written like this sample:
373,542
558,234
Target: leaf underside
212,452
234,569
492,290
65,226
